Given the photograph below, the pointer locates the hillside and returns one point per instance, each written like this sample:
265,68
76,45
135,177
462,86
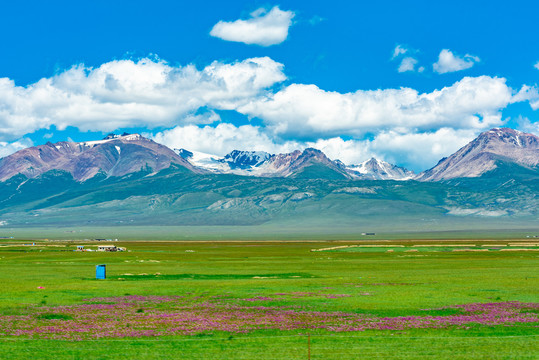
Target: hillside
175,196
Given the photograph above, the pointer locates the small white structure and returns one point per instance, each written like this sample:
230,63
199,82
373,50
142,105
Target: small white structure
106,248
110,248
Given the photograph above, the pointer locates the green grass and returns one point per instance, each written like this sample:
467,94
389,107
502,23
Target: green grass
398,284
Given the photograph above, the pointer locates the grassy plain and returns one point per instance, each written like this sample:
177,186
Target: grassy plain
399,278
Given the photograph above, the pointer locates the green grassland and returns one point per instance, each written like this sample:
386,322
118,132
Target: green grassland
398,279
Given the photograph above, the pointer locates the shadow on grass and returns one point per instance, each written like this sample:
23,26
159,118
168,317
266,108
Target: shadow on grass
208,276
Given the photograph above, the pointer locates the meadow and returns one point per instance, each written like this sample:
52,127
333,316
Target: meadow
356,297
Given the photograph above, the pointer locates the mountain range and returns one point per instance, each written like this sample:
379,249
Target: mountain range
118,155
128,179
263,164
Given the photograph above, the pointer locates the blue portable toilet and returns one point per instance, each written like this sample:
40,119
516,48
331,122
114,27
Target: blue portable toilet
100,272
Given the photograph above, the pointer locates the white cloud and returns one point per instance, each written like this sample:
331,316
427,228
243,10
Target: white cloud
524,124
407,64
399,50
536,65
420,151
8,148
125,93
449,62
530,94
307,111
221,139
263,28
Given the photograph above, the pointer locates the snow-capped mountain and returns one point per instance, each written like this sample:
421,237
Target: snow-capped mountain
374,169
246,159
115,155
263,164
236,162
482,154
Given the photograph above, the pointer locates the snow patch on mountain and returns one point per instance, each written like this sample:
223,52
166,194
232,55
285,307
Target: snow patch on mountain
356,190
301,196
236,162
109,138
456,211
204,161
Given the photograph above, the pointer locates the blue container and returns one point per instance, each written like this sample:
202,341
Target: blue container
101,272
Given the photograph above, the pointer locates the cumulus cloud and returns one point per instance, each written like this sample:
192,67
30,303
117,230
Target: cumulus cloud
126,93
417,151
536,65
449,62
306,111
407,64
420,151
222,139
264,28
8,148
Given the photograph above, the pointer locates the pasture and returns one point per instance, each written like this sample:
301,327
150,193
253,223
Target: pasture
340,299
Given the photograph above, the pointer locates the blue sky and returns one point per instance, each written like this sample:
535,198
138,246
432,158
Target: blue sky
292,74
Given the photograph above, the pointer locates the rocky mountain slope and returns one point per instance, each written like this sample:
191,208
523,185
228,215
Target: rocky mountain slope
309,163
485,153
113,156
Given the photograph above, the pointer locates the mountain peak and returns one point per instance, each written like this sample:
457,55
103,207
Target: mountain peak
508,136
116,155
481,155
374,169
245,159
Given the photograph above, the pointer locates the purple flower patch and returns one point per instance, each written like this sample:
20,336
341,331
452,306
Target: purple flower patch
150,316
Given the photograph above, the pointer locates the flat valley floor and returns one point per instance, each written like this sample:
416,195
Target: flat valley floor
347,298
